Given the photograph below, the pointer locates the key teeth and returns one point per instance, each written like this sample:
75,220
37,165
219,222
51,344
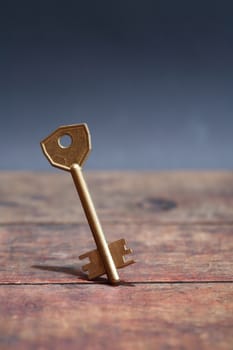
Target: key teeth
85,268
119,250
83,256
95,267
128,251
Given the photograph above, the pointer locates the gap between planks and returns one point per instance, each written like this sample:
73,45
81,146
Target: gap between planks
122,284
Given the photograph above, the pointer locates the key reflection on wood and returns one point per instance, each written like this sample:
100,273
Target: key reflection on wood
76,271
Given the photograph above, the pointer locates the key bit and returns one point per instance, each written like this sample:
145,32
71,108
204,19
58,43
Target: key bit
95,267
108,257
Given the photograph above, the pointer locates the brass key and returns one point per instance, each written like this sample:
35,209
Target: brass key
108,257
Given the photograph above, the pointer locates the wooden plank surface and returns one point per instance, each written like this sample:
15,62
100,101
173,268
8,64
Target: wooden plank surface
155,316
179,197
49,253
179,294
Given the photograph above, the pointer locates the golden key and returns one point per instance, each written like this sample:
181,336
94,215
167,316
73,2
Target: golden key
108,257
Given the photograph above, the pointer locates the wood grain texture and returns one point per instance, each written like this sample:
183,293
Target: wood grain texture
49,253
169,197
142,317
179,294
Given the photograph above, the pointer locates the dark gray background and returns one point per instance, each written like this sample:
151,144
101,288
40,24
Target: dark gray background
153,80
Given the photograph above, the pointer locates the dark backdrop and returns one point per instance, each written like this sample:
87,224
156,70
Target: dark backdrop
153,80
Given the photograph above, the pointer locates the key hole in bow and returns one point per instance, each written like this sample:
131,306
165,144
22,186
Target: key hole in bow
65,141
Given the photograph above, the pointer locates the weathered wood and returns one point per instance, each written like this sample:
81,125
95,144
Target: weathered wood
180,226
157,316
169,197
49,253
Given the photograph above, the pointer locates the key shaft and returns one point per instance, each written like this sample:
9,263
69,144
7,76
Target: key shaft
94,223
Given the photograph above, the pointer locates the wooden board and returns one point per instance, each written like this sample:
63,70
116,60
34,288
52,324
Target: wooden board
179,294
49,253
154,316
182,197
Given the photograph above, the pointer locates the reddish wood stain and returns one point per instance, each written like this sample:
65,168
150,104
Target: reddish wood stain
179,295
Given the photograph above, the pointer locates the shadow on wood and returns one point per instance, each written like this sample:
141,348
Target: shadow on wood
73,270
